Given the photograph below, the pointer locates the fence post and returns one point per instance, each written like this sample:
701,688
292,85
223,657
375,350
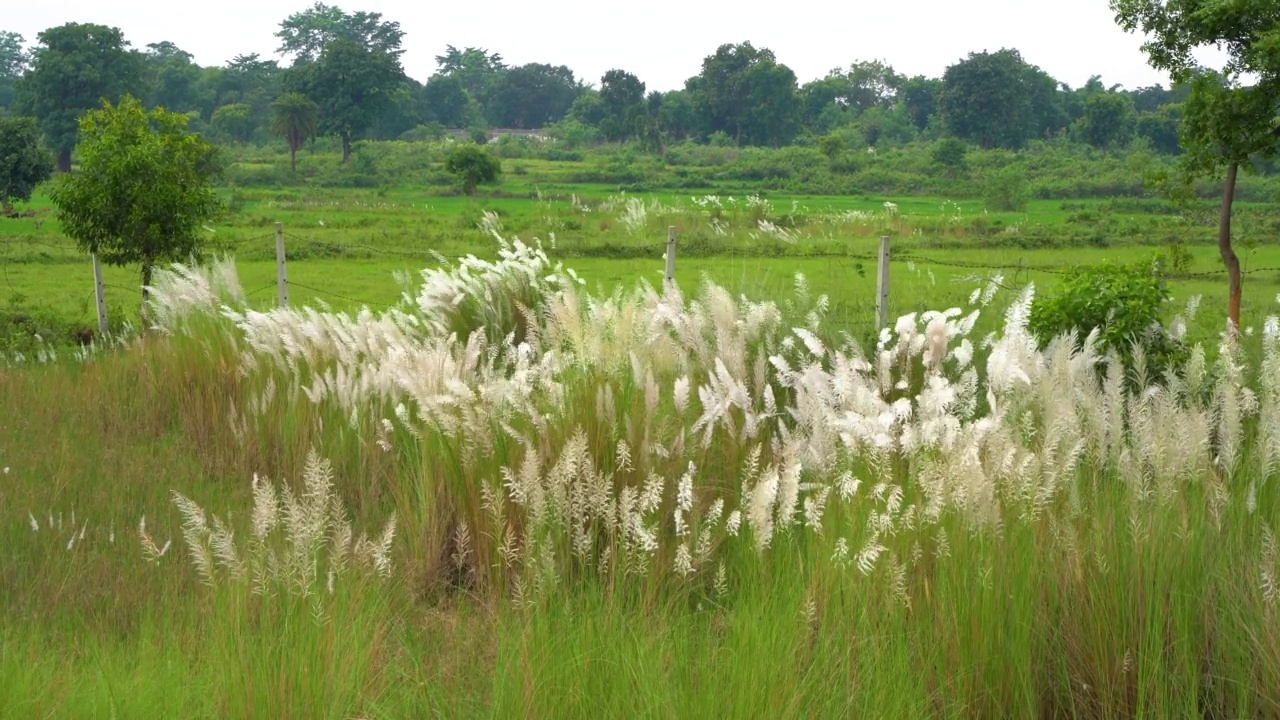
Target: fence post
882,285
282,278
671,254
100,292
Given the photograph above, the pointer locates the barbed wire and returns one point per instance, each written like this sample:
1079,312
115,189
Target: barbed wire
293,283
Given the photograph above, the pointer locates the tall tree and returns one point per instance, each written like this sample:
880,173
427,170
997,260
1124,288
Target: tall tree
73,68
919,97
24,164
13,63
1107,120
622,102
533,96
144,189
746,93
447,102
173,77
304,35
352,84
1225,121
999,100
476,68
295,118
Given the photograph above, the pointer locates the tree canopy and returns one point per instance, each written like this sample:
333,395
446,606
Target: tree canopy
73,68
144,189
23,163
305,35
1229,116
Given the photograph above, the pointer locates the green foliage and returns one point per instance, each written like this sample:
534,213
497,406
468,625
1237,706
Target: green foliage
622,101
1007,190
999,100
951,153
233,121
23,163
73,68
532,96
144,188
352,85
472,165
746,94
1124,303
1107,121
13,63
296,119
305,35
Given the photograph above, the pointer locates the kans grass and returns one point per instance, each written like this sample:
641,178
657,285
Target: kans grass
507,496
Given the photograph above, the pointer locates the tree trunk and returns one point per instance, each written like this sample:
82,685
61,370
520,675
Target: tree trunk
64,160
147,269
293,159
346,149
1228,254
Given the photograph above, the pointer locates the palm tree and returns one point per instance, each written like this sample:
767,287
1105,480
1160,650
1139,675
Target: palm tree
295,118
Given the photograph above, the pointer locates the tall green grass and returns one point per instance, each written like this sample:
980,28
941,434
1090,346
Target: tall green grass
643,504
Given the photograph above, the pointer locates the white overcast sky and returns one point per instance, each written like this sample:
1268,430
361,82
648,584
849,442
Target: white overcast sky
661,41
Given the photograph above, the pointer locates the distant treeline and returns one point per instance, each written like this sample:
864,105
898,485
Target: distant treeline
349,66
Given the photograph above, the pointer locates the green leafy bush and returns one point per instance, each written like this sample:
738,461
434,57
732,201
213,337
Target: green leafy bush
1008,190
1125,303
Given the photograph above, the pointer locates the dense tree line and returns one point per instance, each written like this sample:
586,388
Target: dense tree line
341,75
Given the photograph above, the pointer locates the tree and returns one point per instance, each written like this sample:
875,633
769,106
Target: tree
23,163
998,100
233,121
13,63
446,101
1160,128
144,189
73,68
919,97
476,68
295,118
623,102
172,77
951,154
532,96
306,34
472,166
745,93
352,85
1107,120
1225,123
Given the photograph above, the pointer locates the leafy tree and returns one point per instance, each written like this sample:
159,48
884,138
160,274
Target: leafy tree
1225,122
13,63
587,108
144,189
233,121
998,100
1107,120
919,97
305,35
73,68
446,101
745,93
472,165
623,103
352,84
23,163
1160,128
476,68
172,77
532,96
295,118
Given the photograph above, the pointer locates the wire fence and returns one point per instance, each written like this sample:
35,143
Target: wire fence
303,247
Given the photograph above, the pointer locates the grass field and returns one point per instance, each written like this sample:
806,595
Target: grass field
627,503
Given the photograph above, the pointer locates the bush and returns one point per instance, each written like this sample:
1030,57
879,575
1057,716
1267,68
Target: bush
1008,190
1124,302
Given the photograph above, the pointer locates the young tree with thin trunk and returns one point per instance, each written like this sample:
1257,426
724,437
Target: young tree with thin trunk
144,189
296,119
1226,123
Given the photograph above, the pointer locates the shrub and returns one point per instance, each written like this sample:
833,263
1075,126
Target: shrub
1124,303
1008,190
